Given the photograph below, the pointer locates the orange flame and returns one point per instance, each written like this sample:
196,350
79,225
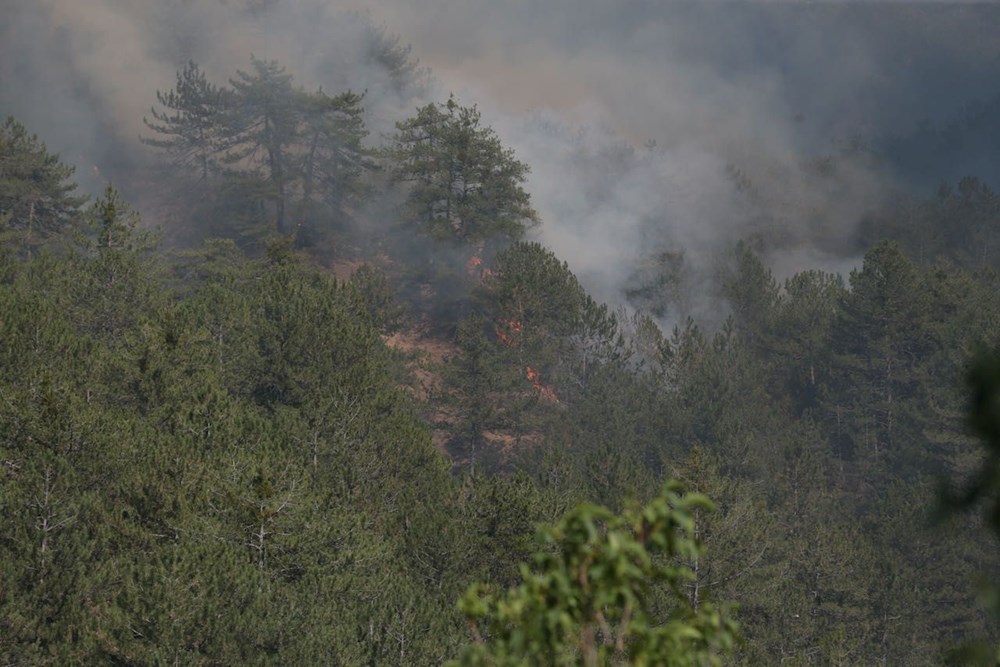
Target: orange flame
509,332
472,266
535,378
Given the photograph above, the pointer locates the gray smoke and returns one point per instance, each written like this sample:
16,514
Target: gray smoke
650,127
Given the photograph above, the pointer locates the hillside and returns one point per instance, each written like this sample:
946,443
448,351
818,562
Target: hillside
331,380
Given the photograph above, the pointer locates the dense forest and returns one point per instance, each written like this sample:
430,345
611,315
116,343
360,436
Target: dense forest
330,400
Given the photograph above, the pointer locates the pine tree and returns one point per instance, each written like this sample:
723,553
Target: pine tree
280,151
463,184
191,127
36,195
333,159
882,339
262,128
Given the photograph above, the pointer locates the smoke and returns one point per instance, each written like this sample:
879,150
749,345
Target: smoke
652,129
83,74
767,121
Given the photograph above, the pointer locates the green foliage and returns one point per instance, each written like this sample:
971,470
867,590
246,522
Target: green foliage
984,418
751,292
954,224
882,336
185,474
191,128
292,157
333,160
262,127
388,51
502,512
378,299
531,285
209,459
116,288
982,490
483,378
464,185
36,195
807,307
544,316
585,598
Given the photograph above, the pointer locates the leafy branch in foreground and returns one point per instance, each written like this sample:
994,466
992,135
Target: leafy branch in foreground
983,490
588,597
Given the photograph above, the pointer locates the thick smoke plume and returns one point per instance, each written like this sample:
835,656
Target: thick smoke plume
651,128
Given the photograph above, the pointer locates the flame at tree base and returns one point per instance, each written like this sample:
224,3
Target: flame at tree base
546,392
508,332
